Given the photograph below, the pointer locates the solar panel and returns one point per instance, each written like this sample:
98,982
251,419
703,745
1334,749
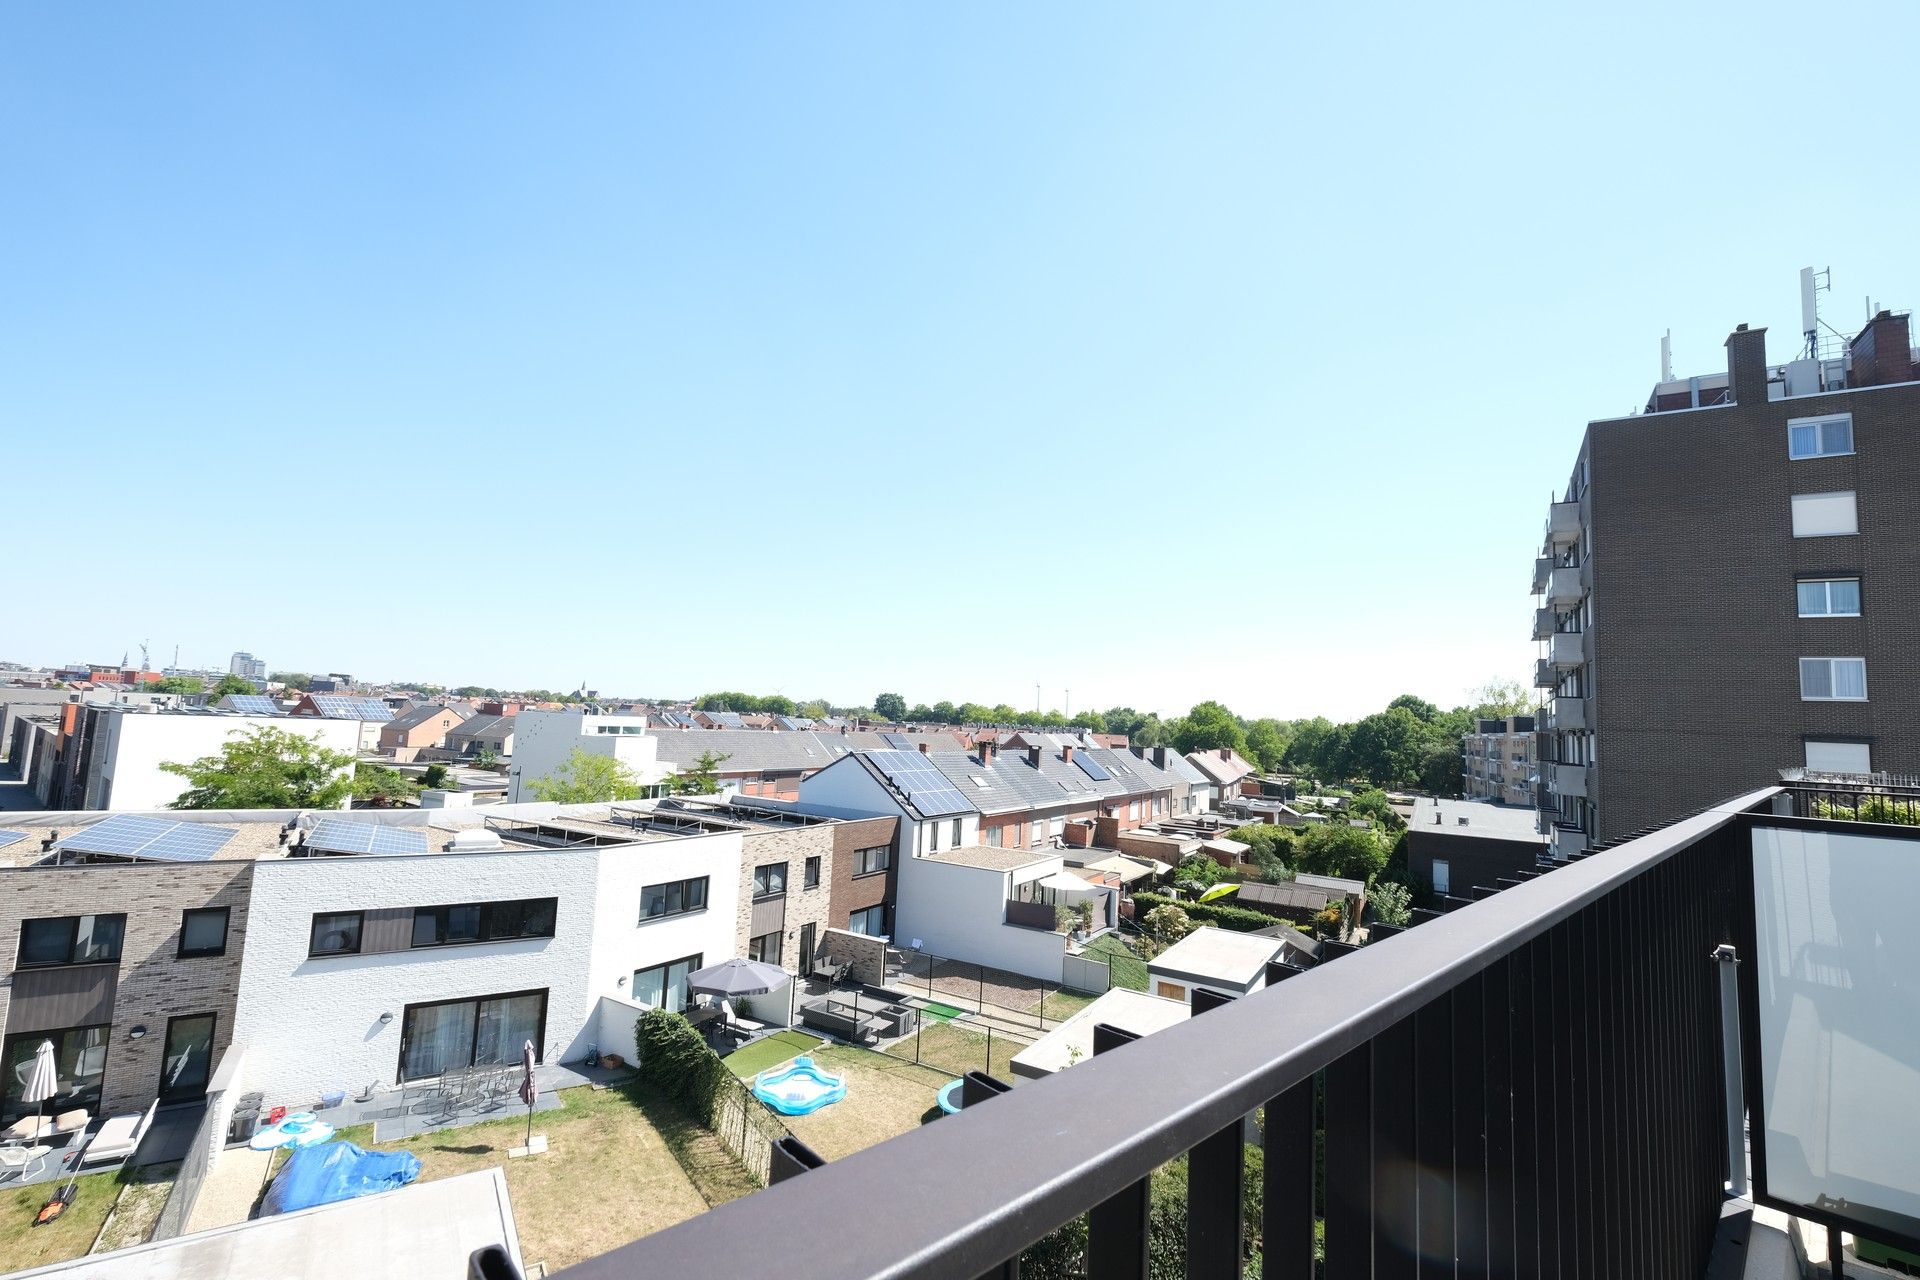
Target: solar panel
924,786
129,836
255,704
899,741
1092,768
11,837
338,835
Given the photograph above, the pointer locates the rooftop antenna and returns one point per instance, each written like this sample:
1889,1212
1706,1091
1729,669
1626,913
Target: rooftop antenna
146,663
1811,284
1036,697
1666,356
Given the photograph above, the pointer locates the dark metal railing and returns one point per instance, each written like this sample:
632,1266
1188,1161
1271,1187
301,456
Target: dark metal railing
1853,797
1529,1084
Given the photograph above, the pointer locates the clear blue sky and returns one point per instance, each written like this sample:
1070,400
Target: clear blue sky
1156,352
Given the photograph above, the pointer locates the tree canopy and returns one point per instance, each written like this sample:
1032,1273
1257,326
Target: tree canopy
230,685
265,768
1208,727
702,779
1336,849
380,785
890,706
180,684
586,778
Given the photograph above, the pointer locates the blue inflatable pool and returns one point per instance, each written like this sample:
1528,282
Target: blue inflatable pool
799,1089
950,1097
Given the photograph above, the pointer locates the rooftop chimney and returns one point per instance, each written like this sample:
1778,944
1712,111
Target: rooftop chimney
1747,365
1159,757
1066,753
1033,756
1882,352
1226,753
924,748
988,749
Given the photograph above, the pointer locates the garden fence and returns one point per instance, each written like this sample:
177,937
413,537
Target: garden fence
745,1126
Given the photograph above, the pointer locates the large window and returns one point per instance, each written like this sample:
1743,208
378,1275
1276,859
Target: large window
868,862
1833,679
80,1064
674,898
203,932
335,933
451,1034
1819,437
813,873
871,922
459,923
1829,597
1825,515
765,948
770,880
956,833
70,940
664,986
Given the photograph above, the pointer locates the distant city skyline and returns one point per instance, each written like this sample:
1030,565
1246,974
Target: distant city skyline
832,351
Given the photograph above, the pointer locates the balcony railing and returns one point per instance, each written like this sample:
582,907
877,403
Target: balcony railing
1544,675
1565,586
1543,624
1565,650
1530,1084
1563,524
1569,713
1570,780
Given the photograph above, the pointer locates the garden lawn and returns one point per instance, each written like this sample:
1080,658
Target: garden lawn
781,1046
619,1165
1061,1005
885,1096
957,1048
1128,970
24,1245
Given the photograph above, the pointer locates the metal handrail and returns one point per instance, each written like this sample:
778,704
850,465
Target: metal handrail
989,1182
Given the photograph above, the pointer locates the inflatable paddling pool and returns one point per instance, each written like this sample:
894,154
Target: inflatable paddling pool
799,1089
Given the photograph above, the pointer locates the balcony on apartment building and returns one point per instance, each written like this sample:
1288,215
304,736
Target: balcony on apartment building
1564,651
1541,1079
1544,674
1565,585
1543,624
1570,714
1570,780
1563,524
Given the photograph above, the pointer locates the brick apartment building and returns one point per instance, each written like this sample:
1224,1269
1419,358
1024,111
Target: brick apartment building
1500,760
1728,584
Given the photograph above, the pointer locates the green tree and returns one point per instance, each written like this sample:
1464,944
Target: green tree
230,685
292,679
1499,698
1390,903
436,778
1422,709
1386,747
921,714
485,758
585,778
1373,805
1440,768
702,779
265,768
379,785
1208,727
975,713
1166,925
891,707
1266,745
945,713
1091,721
816,709
179,684
1336,849
1004,713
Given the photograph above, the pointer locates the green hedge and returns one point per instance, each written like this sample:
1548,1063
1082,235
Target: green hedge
1239,919
675,1061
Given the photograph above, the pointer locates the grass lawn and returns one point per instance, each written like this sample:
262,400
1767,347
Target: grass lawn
1128,969
771,1052
956,1049
24,1245
620,1165
885,1096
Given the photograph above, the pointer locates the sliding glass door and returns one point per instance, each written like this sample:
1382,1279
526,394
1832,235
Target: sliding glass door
451,1034
80,1065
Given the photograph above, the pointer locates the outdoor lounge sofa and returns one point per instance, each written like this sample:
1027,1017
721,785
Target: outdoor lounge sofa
40,1129
839,1020
119,1137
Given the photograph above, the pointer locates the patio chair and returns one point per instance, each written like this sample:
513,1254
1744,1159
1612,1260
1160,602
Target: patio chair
18,1160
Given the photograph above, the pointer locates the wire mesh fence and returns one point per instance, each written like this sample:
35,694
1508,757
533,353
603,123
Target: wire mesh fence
1017,1001
957,1048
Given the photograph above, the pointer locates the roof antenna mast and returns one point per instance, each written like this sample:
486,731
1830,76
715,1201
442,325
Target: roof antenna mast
1812,284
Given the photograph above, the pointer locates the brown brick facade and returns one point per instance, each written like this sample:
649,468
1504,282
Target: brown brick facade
154,984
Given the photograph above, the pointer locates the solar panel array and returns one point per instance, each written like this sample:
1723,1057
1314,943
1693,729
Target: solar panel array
160,839
897,740
924,786
337,835
340,706
1092,768
254,704
11,837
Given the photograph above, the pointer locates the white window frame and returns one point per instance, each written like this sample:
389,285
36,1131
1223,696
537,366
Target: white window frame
1827,585
1443,875
1819,426
1832,683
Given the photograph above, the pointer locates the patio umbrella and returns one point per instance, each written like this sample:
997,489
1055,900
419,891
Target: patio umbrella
528,1090
738,978
1218,891
43,1079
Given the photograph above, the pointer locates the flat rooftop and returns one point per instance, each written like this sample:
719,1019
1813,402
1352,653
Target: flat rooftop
987,858
423,1232
1134,1011
1474,818
1218,955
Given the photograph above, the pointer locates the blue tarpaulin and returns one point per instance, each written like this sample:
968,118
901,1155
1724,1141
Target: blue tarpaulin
336,1171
